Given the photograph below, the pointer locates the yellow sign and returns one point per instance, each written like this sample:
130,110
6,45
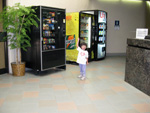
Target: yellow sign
72,34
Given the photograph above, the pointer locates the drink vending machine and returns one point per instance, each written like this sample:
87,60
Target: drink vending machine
47,41
91,27
99,31
78,25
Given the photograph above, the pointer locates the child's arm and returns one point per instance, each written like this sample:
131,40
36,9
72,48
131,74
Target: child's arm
87,55
87,61
78,43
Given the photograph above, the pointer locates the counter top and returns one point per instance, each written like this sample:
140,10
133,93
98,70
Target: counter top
143,43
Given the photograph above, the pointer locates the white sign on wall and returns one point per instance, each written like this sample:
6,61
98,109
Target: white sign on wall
141,33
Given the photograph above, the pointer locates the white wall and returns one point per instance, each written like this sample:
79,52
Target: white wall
130,14
11,56
148,15
70,5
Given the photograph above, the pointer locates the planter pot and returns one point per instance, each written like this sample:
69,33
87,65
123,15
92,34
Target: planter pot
18,69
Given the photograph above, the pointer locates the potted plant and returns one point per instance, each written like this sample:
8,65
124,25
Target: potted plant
17,21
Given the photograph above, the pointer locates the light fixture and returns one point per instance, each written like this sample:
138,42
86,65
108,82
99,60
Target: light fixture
148,2
109,0
132,0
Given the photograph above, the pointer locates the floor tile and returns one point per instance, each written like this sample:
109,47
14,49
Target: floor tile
56,76
19,82
33,80
45,86
1,102
29,107
119,89
97,96
142,108
103,77
129,111
60,87
47,103
75,72
92,69
32,94
83,81
5,85
87,109
13,98
119,73
67,106
59,91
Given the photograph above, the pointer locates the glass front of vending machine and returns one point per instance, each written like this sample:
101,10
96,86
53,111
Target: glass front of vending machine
101,41
49,30
97,35
86,33
53,34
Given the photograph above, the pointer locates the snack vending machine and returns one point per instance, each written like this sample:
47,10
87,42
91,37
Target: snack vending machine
99,28
47,41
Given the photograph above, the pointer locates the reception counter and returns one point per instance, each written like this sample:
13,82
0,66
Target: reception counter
138,64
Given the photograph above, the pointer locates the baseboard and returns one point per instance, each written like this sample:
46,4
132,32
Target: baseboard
115,54
3,71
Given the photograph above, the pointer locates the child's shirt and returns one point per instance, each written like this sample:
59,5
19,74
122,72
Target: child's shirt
82,56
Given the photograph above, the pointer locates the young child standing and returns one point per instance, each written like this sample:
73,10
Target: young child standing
82,59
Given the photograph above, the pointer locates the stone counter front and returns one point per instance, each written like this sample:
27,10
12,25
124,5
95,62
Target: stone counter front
138,64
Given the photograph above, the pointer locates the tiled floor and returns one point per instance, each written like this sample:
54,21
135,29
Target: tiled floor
104,91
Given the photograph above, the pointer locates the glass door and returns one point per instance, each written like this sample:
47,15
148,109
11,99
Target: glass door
102,26
102,33
102,20
53,37
85,29
49,30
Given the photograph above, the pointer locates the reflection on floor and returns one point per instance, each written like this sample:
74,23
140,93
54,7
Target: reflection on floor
104,91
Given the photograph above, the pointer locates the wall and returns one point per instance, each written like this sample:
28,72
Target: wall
130,14
70,5
148,16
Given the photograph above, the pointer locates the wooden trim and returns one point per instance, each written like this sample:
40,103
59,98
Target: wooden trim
5,70
6,45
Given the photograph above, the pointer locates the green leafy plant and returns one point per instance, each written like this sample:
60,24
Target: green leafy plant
17,21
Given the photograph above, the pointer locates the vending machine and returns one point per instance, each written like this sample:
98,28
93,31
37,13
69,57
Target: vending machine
91,27
99,28
47,41
79,25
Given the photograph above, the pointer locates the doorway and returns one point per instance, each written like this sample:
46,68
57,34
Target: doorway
3,45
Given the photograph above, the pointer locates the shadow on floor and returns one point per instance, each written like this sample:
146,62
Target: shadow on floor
45,73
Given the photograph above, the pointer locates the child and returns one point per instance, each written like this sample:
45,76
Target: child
82,59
